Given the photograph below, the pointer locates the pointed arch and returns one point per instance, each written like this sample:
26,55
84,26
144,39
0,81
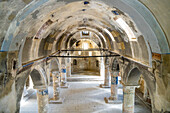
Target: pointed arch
39,77
133,76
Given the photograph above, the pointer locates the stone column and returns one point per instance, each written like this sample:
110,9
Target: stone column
68,67
63,83
113,99
128,99
42,98
114,86
107,74
56,88
102,68
48,75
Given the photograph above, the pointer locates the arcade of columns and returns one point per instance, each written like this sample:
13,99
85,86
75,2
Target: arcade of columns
110,81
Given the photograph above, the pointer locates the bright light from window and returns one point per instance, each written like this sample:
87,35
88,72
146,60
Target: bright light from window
90,53
30,83
85,32
85,45
79,52
127,29
108,32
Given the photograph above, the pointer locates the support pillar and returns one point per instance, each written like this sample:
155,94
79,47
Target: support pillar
107,75
102,68
56,89
63,83
114,87
48,75
42,98
128,99
114,90
68,67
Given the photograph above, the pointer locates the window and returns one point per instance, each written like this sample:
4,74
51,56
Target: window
85,45
74,62
14,64
97,63
85,33
90,53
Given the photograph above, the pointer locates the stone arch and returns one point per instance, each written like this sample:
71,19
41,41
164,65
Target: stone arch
54,64
19,87
39,77
12,29
99,39
133,76
115,67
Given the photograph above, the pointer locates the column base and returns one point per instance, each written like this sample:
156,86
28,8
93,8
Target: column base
53,101
104,86
64,85
68,75
111,101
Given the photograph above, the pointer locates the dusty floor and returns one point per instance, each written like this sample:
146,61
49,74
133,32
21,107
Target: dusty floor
83,97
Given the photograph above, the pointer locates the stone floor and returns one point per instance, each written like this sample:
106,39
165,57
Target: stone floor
83,97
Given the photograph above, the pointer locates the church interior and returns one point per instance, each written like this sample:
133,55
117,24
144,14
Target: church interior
84,56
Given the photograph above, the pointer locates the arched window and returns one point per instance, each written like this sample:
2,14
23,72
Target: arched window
14,64
97,63
74,62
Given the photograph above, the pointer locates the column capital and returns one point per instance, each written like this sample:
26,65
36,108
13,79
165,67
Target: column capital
136,86
126,85
115,73
55,72
40,87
